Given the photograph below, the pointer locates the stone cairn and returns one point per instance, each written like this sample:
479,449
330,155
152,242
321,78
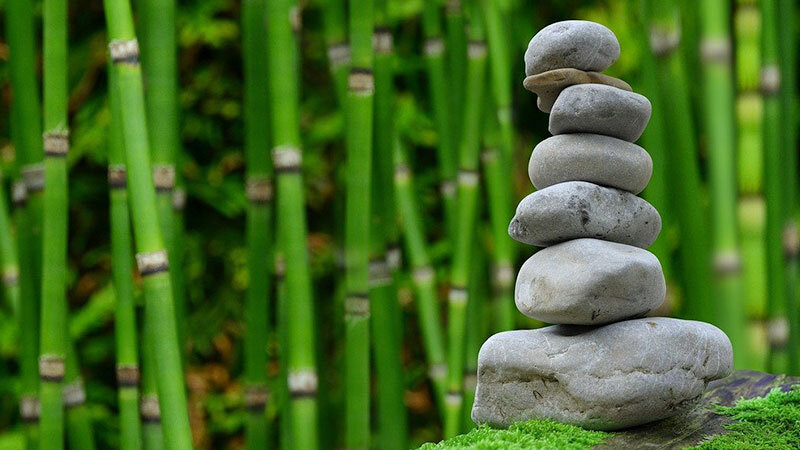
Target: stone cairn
604,365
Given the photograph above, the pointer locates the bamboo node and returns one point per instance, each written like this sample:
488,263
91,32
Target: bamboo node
56,143
453,398
117,177
34,177
476,49
791,242
287,159
361,81
727,264
448,188
73,394
149,410
468,177
453,7
434,47
51,368
19,193
489,155
296,18
458,295
302,383
164,177
437,371
127,375
339,55
716,50
280,267
178,199
152,263
422,274
383,41
778,332
29,408
503,276
401,173
11,276
124,51
770,80
259,190
394,257
357,305
256,398
470,381
663,42
379,274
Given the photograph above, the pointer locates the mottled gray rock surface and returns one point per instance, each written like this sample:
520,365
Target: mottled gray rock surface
600,109
578,44
589,282
577,209
590,157
612,377
547,85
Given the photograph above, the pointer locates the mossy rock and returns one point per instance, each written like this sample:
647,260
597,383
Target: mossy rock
718,422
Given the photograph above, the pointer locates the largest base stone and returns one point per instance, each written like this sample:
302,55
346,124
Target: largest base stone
606,378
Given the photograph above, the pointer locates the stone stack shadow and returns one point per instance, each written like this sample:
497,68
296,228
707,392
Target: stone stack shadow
605,365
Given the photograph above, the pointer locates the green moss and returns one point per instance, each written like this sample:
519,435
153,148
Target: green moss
533,435
767,422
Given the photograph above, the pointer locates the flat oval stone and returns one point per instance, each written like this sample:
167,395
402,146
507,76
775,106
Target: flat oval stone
547,85
600,109
579,44
577,209
605,378
589,282
590,157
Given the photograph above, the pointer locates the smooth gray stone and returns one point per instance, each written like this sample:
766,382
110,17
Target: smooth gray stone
578,44
590,157
589,282
607,378
600,109
577,209
548,85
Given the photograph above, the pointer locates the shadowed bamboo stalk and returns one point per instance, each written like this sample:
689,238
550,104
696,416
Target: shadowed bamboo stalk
283,24
476,329
78,417
9,261
122,271
468,189
151,257
715,53
259,222
53,341
26,196
456,37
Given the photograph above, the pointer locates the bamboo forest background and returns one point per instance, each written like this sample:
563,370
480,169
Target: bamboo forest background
448,103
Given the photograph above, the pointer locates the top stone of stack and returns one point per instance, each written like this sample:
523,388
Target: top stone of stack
577,44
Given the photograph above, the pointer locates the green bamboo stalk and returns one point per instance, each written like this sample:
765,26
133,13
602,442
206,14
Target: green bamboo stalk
283,22
78,417
52,346
720,131
694,252
281,383
392,428
437,89
121,273
782,355
476,330
151,255
468,189
149,410
497,37
27,135
456,37
423,275
335,29
259,222
9,260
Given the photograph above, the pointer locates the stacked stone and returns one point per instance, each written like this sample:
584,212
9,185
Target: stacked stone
603,366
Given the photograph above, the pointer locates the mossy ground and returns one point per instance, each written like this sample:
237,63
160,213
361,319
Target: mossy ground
771,422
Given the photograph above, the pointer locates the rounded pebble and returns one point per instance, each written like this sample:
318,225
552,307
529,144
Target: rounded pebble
579,44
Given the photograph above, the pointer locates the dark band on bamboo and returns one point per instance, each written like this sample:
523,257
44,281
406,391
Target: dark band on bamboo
434,47
361,81
379,274
149,410
256,398
715,50
279,271
117,177
394,256
778,332
51,368
56,143
663,43
29,408
124,52
259,190
468,177
178,199
422,274
770,80
791,242
339,55
33,175
302,383
73,394
382,40
287,159
458,295
19,193
11,276
128,375
357,305
476,49
152,263
164,178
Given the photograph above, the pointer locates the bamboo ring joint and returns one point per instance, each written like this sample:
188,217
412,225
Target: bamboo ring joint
178,199
34,177
778,332
357,305
29,408
361,81
56,143
164,177
128,375
117,177
339,55
259,190
152,263
467,177
457,295
716,50
476,49
422,274
255,398
302,383
287,159
73,394
379,274
19,193
382,41
434,47
124,51
149,410
770,80
662,42
51,368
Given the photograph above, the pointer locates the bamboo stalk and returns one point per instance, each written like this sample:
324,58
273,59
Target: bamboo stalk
259,222
468,188
497,38
27,136
456,37
151,255
9,259
149,410
52,346
720,131
283,22
476,330
335,29
78,417
121,272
